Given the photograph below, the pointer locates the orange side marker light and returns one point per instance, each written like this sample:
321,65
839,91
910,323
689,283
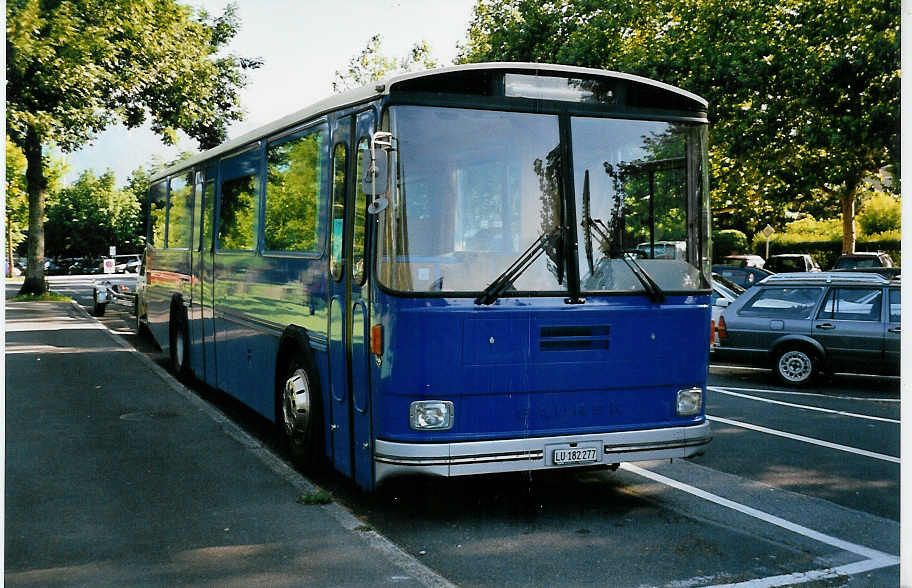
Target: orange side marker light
377,340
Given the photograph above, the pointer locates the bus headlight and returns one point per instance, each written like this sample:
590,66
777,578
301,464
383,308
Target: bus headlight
689,401
434,415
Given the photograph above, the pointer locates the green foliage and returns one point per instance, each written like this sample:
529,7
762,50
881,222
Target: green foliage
371,65
87,217
315,498
804,95
880,213
16,197
728,242
74,67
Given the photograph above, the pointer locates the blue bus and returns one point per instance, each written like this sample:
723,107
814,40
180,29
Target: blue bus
444,272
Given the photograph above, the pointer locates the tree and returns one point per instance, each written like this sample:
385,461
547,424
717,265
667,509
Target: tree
91,215
17,209
16,202
804,96
74,67
371,65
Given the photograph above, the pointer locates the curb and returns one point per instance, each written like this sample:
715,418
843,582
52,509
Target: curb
389,550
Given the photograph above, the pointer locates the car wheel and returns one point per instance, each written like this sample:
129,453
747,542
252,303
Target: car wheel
298,413
795,366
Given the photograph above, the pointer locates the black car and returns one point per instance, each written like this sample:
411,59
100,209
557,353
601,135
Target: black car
867,261
743,276
791,262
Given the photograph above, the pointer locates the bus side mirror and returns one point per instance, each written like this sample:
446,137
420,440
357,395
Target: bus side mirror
375,164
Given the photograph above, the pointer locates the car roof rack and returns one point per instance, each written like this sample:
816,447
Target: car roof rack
871,279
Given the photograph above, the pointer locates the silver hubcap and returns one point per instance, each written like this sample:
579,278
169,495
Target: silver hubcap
296,404
795,366
179,350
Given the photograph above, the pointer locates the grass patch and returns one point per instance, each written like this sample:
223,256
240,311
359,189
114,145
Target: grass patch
318,497
46,297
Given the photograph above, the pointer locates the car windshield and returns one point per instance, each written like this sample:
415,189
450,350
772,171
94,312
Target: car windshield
475,188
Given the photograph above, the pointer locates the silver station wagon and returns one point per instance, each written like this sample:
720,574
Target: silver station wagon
801,324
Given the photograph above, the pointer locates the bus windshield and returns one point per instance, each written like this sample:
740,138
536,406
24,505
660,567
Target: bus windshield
632,201
475,189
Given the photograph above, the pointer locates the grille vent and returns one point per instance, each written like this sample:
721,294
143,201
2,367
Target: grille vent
574,338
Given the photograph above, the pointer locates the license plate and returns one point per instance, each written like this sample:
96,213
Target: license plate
574,455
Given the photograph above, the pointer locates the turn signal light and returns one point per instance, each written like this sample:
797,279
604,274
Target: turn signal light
377,340
722,332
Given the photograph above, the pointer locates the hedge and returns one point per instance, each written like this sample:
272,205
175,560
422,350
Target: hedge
825,252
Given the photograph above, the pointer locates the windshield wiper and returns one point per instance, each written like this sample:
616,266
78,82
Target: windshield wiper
589,224
653,291
505,280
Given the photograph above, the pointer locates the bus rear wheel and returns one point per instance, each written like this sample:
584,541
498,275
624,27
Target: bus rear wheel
298,413
179,340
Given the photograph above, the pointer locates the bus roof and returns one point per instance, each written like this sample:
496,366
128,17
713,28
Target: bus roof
384,86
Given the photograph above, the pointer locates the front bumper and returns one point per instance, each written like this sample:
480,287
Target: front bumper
512,455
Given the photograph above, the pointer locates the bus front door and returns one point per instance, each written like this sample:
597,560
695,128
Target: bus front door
349,395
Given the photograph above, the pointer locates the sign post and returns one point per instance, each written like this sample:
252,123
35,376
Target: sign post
768,232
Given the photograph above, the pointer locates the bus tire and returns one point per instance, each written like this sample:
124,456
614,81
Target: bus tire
179,343
299,412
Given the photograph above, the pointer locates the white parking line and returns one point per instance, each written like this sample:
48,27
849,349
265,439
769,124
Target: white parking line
801,406
874,559
804,439
858,567
814,394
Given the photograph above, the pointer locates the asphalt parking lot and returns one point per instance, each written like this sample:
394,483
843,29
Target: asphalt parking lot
798,487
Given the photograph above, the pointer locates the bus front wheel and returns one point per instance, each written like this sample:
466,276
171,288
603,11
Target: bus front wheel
298,413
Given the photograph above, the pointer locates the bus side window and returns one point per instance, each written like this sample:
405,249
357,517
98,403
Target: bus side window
337,218
294,176
158,214
180,212
207,214
238,209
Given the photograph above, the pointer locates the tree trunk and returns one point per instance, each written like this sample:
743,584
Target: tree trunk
36,186
847,199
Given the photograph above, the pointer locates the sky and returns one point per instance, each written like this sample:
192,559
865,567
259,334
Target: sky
302,43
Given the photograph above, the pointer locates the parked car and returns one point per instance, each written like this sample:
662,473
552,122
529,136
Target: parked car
867,261
664,249
127,264
791,262
85,265
802,324
744,260
743,276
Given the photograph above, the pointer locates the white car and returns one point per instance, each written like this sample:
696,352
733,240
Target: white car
724,292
